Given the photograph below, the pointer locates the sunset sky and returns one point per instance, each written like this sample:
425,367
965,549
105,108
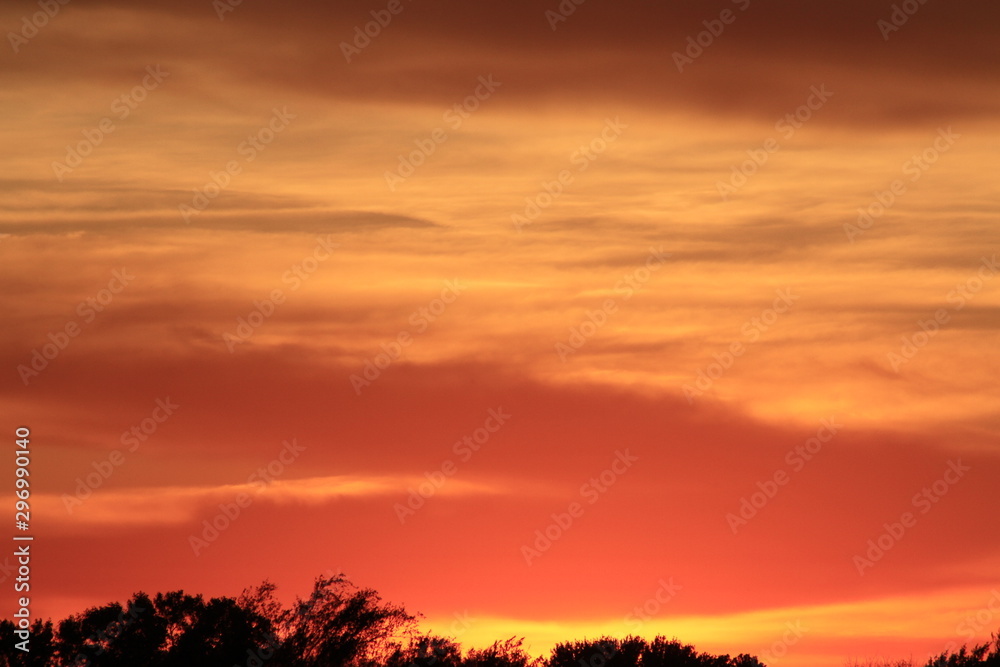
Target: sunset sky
569,319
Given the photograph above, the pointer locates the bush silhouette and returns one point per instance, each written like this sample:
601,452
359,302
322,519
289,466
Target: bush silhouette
509,653
637,652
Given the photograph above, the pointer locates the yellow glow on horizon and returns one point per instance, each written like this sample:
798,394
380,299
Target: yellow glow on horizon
940,616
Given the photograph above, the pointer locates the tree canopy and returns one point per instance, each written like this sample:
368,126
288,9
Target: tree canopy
337,625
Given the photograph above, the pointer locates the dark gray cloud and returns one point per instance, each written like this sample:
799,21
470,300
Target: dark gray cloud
938,66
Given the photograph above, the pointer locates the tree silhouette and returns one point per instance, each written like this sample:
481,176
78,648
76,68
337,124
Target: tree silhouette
337,625
112,635
218,633
42,645
426,651
987,654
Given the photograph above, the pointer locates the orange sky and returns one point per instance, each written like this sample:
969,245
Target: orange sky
546,276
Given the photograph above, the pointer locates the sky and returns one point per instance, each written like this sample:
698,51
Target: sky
542,319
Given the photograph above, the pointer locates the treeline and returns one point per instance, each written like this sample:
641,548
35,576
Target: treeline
338,625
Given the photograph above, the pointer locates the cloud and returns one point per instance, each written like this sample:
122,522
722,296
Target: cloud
122,508
603,53
100,208
494,346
